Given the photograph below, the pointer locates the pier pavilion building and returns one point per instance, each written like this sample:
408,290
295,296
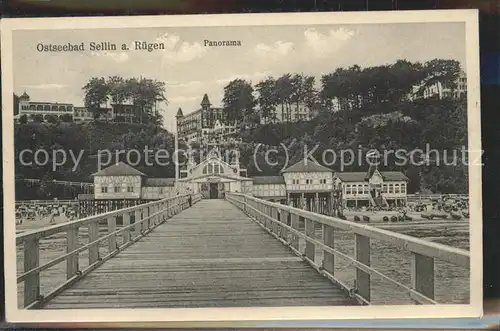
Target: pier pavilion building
306,184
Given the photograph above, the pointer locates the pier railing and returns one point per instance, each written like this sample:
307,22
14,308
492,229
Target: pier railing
427,197
289,225
136,222
45,202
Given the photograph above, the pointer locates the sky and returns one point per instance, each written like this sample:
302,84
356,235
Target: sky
190,69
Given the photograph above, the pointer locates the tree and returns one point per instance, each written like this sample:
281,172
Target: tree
145,95
96,95
238,100
51,119
23,119
284,90
303,91
445,72
38,118
267,99
117,89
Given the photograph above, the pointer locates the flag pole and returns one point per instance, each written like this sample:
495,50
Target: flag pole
176,152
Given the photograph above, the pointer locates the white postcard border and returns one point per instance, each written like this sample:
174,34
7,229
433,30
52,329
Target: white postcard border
474,309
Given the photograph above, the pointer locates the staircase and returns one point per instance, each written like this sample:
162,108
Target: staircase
372,201
379,201
384,200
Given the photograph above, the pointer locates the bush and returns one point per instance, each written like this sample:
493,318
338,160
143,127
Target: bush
51,119
23,119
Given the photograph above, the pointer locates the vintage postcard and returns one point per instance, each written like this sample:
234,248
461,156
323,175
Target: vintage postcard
242,167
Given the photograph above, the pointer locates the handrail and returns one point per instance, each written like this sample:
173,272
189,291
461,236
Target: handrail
64,182
434,196
45,202
137,221
423,252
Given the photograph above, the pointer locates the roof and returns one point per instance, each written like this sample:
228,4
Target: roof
159,182
51,103
119,169
24,95
394,176
179,113
371,171
268,180
361,176
307,165
205,101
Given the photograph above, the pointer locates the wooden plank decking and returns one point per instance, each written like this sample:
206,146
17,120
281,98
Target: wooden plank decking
210,255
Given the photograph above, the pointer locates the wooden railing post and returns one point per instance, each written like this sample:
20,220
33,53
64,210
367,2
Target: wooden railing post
283,219
93,236
137,219
111,229
71,245
274,215
126,232
270,224
154,210
295,226
328,240
310,233
422,274
31,261
163,216
144,215
362,253
151,219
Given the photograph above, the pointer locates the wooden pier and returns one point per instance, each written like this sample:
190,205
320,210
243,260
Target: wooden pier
210,255
237,252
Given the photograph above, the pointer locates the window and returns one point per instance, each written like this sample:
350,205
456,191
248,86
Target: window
391,190
384,188
396,188
348,189
366,189
104,189
117,189
130,189
360,189
403,188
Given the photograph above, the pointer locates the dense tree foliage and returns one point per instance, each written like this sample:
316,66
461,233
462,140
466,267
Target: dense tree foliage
86,139
359,109
354,109
143,93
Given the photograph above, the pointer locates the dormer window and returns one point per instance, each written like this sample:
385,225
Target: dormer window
104,189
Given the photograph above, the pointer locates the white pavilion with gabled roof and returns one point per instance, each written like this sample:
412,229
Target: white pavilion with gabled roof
213,176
